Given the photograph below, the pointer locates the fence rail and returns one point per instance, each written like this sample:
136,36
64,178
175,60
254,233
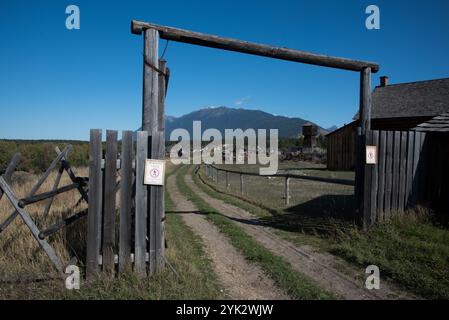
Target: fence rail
212,173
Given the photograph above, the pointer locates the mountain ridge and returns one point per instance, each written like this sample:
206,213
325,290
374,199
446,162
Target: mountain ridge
223,117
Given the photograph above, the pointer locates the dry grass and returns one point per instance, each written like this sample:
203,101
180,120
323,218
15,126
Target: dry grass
20,253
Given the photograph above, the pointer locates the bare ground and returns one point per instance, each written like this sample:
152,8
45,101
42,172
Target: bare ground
240,279
321,267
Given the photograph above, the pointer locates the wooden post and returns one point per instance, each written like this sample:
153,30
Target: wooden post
126,182
364,127
141,205
95,207
160,241
150,81
227,180
287,190
241,184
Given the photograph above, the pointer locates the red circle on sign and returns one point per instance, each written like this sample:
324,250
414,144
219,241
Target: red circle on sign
154,173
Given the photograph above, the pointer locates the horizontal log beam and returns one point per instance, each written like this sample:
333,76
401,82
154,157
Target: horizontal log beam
206,40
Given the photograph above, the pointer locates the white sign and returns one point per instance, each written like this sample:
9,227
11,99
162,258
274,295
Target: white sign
154,172
371,154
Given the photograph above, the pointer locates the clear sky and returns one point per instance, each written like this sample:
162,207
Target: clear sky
59,83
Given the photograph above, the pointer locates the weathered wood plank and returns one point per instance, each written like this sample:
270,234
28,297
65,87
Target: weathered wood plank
402,171
409,175
125,202
110,179
388,174
156,209
55,187
206,40
374,181
416,159
396,171
287,190
368,177
95,204
141,204
382,147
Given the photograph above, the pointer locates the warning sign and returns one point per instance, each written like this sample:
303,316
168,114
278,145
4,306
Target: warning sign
371,154
154,172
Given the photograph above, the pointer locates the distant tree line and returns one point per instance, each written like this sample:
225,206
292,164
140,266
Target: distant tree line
36,155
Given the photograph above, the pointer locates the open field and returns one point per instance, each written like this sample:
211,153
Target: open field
314,198
411,251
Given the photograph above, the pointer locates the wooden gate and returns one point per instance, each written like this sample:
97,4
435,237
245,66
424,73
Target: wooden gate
137,221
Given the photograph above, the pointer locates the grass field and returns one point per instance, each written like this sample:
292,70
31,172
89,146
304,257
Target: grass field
412,251
19,255
306,196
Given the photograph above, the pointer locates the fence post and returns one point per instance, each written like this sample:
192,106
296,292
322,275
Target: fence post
287,190
241,184
95,199
216,175
227,180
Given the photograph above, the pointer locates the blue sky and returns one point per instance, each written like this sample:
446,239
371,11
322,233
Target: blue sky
59,83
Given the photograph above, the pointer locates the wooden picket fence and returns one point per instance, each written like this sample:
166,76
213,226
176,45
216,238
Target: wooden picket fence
140,214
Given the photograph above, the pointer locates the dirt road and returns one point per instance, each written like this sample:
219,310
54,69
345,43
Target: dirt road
317,266
240,279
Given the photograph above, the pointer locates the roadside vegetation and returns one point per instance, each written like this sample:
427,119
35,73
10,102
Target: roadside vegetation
411,251
295,284
192,277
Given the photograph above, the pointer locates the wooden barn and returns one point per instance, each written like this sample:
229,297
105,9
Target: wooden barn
417,106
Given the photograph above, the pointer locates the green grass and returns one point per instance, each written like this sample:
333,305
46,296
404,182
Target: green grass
185,253
413,251
295,284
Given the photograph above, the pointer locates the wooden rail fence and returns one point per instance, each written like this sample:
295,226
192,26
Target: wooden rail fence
212,173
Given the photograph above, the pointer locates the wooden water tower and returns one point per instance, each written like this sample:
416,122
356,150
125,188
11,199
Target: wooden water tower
310,133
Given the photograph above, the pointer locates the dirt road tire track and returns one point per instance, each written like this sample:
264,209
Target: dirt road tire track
240,279
315,265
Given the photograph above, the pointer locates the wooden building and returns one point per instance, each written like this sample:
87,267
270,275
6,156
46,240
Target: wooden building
417,106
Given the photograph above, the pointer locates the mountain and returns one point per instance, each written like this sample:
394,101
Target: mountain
333,128
222,118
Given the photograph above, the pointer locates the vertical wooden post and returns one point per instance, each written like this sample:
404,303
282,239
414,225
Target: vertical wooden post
110,179
227,180
150,81
160,153
365,126
287,190
241,184
216,175
94,210
126,182
141,204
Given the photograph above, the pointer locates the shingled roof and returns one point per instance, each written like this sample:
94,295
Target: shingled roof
436,124
414,99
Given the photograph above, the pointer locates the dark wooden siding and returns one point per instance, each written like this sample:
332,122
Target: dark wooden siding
341,148
341,142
